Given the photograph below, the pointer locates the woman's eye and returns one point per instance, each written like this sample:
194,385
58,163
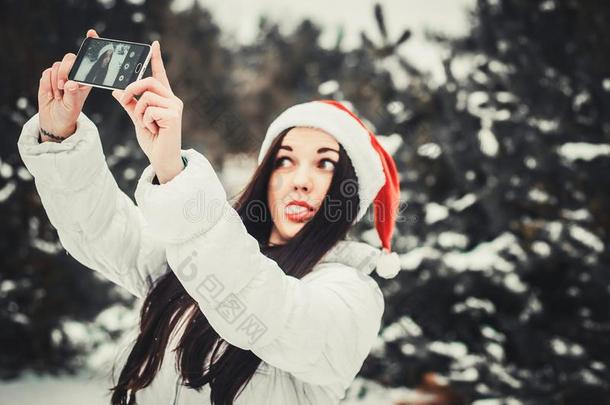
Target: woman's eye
331,165
279,161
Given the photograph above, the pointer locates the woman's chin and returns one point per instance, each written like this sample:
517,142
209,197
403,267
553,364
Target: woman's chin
290,228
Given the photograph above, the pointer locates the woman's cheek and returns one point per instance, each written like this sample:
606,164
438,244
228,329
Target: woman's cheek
273,197
322,186
276,182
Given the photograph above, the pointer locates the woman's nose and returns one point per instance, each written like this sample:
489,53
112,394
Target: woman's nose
302,180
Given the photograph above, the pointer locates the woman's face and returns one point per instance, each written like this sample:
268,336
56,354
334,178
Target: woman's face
303,170
107,56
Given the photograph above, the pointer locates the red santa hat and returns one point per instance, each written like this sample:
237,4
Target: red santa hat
378,181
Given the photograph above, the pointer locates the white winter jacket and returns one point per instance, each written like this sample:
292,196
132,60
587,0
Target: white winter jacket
313,334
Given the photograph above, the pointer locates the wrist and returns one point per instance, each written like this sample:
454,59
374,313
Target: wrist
166,174
48,133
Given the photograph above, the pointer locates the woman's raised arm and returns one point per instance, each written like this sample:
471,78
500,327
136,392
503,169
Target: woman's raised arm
96,222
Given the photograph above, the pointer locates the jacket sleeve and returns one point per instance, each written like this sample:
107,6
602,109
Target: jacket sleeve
320,328
96,222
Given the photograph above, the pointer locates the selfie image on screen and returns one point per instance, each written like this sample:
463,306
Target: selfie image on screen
108,64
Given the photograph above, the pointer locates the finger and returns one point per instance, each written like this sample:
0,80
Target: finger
151,117
83,90
45,91
64,69
54,70
92,33
72,98
140,86
150,99
158,69
149,122
163,117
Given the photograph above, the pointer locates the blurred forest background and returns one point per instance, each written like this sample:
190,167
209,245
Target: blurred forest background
505,176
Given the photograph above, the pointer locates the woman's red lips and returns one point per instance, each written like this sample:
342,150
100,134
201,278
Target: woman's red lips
300,203
300,216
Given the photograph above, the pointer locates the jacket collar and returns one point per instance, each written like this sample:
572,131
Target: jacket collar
356,254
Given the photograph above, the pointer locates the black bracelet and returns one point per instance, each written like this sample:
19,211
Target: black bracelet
50,135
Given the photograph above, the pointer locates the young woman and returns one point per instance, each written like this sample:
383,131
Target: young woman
99,70
261,302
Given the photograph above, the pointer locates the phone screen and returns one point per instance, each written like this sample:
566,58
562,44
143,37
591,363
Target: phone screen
109,63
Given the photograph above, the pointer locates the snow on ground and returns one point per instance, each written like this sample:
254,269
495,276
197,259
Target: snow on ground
87,387
92,388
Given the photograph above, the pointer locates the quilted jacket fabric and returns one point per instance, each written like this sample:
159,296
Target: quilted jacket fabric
313,333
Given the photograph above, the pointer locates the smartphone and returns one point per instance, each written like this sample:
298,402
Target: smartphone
109,63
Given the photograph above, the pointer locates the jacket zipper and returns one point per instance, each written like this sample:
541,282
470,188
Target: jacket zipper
176,390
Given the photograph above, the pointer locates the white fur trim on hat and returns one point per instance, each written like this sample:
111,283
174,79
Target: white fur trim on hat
347,131
388,264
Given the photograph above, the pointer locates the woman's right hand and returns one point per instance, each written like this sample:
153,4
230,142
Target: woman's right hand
60,100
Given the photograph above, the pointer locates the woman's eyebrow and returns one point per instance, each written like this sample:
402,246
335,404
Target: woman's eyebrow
321,150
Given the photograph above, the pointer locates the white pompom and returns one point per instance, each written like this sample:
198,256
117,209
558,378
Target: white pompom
388,265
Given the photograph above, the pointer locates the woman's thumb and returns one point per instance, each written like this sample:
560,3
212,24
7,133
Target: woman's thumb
71,98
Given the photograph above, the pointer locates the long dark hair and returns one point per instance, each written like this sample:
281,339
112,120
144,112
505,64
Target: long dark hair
167,300
98,70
